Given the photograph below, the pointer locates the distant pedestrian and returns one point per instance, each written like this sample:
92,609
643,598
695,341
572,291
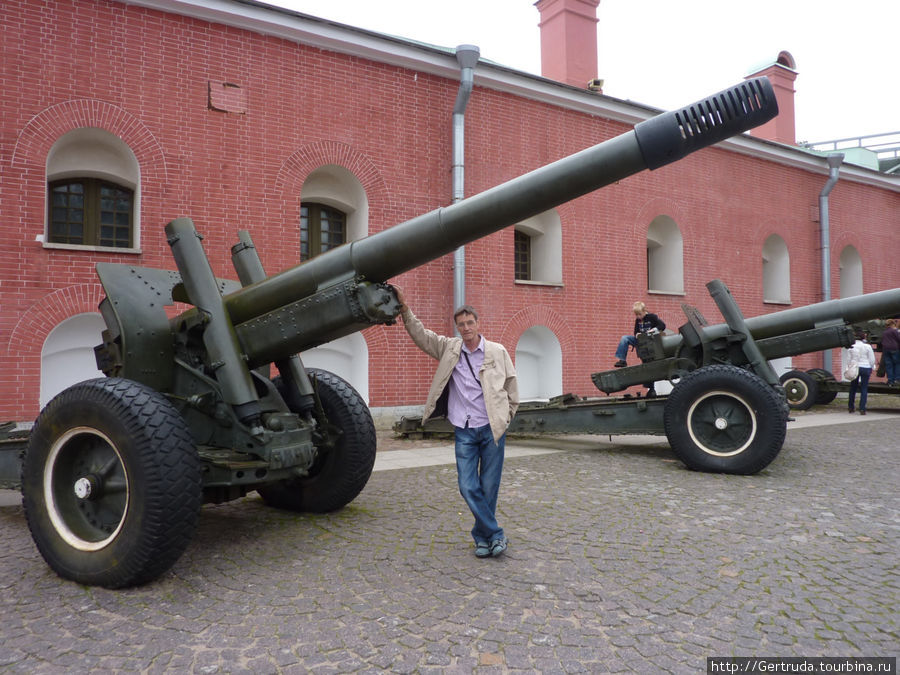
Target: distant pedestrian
861,355
890,352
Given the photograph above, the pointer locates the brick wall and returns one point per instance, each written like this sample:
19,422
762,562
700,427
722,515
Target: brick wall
226,124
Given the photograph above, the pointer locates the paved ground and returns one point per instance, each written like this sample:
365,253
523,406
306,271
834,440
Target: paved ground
620,560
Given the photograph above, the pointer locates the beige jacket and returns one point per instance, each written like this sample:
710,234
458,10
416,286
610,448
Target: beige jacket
497,375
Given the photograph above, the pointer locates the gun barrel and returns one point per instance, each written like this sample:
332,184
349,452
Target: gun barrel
651,144
831,312
848,310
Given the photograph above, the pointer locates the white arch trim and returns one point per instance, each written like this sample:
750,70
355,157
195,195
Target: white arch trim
539,364
67,356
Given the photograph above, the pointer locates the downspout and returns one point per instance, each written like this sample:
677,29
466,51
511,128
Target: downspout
834,166
467,56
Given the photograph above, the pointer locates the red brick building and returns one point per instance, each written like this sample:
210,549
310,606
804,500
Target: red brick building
120,116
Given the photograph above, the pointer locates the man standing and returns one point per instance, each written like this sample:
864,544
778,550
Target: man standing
475,387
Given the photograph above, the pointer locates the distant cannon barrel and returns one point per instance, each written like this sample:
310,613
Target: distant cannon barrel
749,342
651,144
855,309
843,311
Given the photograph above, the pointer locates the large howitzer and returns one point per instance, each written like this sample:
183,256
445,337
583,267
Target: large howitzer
116,468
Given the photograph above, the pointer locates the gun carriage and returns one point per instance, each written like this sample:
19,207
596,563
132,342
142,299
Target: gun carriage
115,470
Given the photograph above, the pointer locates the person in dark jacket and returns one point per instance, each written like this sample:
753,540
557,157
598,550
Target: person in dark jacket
890,352
644,322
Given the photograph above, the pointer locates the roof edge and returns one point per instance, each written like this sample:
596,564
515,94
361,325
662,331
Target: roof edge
441,61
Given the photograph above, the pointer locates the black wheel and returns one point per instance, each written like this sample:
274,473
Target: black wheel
725,419
825,396
801,389
344,464
111,483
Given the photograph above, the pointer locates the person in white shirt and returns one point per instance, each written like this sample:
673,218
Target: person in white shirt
862,355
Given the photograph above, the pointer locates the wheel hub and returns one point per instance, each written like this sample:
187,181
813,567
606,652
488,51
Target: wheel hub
721,423
83,488
87,487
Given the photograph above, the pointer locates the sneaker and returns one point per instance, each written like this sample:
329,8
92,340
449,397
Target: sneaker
482,549
851,411
620,364
498,546
862,412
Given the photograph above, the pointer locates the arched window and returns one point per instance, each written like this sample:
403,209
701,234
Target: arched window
93,191
665,256
776,270
539,364
90,212
334,209
538,249
851,272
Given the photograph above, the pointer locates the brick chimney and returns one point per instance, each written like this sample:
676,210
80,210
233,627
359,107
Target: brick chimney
781,74
569,40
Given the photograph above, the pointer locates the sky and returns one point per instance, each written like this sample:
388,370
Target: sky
666,53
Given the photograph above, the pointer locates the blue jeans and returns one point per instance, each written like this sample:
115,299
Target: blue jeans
861,381
479,463
891,365
626,342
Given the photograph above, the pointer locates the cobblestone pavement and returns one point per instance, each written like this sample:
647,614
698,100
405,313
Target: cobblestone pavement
620,560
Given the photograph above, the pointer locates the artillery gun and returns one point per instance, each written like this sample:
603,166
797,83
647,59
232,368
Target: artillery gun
817,386
748,343
116,469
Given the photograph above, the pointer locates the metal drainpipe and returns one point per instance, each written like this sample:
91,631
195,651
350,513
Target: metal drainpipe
834,167
467,56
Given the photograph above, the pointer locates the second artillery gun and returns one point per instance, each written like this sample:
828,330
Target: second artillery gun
727,411
116,469
818,386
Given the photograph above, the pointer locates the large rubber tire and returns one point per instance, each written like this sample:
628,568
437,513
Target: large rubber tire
725,419
825,396
111,483
342,471
801,389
